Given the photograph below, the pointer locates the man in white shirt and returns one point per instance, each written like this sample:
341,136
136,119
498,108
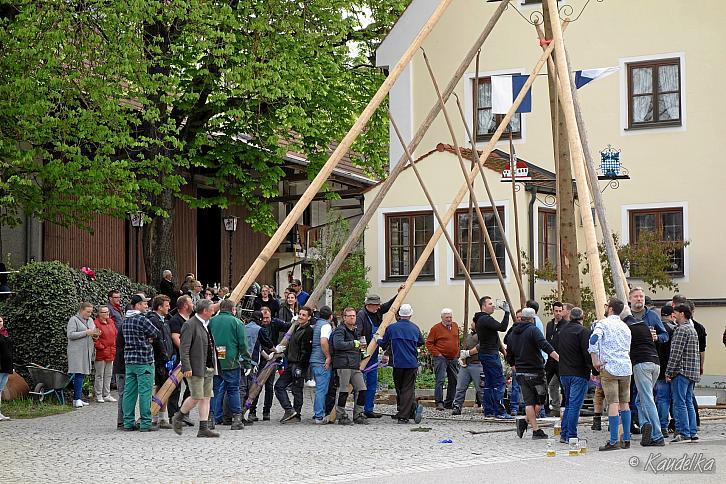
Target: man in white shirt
610,353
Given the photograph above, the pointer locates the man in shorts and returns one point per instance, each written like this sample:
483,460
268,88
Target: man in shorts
198,356
610,352
523,355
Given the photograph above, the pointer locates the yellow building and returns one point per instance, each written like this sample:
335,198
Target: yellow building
661,109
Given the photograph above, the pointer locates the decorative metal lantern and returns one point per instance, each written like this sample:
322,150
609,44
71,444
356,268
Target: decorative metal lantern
610,165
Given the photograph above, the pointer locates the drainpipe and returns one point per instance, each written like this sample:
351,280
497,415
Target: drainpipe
530,222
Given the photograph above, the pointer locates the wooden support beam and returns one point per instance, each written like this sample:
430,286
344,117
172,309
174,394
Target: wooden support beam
345,144
421,182
470,185
578,164
360,227
416,270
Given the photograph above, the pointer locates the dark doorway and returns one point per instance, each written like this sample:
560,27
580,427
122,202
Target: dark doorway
209,244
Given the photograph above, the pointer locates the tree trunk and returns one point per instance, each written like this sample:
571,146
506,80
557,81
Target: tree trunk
566,201
158,241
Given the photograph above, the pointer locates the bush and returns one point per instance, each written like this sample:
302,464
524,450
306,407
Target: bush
46,295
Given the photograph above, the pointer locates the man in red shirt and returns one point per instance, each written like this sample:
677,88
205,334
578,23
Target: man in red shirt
443,344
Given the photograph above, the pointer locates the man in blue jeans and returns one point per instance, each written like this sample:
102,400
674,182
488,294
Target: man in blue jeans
662,387
320,361
575,365
487,330
684,371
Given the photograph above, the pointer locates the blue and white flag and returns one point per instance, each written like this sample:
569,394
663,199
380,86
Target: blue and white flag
505,89
588,75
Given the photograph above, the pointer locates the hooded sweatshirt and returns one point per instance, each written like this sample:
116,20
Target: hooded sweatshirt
523,348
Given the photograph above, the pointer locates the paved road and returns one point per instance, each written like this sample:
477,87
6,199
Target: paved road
83,446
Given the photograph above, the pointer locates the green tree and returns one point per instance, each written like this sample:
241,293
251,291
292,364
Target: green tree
112,106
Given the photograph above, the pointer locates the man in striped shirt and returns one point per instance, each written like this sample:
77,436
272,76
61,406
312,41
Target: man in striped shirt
683,371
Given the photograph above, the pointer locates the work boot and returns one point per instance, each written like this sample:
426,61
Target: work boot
210,422
289,414
342,416
253,417
596,423
205,431
521,427
237,423
358,415
177,422
164,424
456,411
539,434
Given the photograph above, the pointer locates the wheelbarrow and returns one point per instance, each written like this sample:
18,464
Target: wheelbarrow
48,382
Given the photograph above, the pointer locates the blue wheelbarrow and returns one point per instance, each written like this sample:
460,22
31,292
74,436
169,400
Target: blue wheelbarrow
48,382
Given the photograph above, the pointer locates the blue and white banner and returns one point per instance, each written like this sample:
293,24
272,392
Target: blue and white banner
505,89
588,75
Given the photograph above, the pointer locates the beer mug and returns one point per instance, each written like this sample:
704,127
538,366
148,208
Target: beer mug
551,448
558,428
222,352
574,446
583,446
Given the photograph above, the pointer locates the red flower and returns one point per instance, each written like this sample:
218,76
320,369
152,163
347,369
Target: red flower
89,272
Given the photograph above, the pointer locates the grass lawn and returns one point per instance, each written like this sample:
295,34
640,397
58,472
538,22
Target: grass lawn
25,408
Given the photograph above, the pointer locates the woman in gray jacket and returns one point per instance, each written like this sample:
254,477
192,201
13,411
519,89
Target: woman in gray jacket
81,332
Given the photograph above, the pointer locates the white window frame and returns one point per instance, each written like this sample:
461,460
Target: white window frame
625,231
469,79
383,249
624,102
535,235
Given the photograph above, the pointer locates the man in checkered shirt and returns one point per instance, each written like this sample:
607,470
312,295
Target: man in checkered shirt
683,371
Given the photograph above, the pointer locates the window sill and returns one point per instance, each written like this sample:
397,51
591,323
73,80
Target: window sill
477,276
404,278
642,127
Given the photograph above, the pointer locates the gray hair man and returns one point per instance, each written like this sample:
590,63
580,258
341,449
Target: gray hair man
443,344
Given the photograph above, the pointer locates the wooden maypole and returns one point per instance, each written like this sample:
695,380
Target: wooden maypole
274,243
578,163
373,205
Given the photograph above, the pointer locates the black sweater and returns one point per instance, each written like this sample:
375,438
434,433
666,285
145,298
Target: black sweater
573,341
642,347
523,348
486,330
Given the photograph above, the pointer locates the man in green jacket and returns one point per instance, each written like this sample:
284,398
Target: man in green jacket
229,336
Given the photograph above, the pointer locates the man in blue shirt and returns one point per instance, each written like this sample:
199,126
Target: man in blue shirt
403,339
300,294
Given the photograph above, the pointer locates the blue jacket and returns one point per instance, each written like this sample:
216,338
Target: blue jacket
652,320
403,337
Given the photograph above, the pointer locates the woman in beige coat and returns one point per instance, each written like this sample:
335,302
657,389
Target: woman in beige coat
81,332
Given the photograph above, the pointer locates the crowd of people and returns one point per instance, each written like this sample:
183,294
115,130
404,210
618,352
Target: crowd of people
643,362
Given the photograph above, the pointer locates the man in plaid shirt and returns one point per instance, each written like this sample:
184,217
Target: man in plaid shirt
138,332
683,371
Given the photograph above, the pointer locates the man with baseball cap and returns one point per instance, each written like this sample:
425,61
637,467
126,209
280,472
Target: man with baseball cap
301,295
523,354
139,359
403,338
367,321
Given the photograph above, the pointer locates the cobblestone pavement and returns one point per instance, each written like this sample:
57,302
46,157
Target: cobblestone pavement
84,446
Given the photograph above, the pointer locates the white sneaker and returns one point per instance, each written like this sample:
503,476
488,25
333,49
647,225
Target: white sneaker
3,417
84,403
109,399
77,403
100,400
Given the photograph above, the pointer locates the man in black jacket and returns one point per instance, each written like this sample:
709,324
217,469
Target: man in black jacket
346,362
367,321
298,359
523,355
574,368
551,368
487,329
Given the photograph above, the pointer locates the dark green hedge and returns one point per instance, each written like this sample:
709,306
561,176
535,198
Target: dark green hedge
45,295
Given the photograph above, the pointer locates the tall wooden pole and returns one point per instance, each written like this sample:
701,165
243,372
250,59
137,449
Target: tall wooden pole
470,213
567,258
578,164
274,243
513,163
416,270
619,280
360,227
470,186
421,182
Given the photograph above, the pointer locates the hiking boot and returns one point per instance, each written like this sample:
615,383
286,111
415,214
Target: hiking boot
344,420
440,407
609,446
624,444
647,430
456,411
596,423
657,443
372,414
205,431
289,414
210,423
361,420
187,421
177,422
165,425
265,417
253,417
237,423
521,427
539,434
